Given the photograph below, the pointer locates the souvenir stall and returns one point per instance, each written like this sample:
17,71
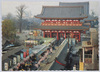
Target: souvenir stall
6,64
14,59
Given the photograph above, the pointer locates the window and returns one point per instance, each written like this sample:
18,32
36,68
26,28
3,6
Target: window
88,52
88,55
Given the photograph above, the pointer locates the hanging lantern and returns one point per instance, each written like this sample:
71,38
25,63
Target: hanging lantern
18,58
5,64
30,51
18,54
27,52
14,60
24,54
21,55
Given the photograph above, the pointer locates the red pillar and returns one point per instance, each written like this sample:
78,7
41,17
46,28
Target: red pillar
65,35
72,34
79,36
50,34
44,34
57,36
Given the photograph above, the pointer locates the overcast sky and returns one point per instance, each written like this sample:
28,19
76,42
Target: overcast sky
35,7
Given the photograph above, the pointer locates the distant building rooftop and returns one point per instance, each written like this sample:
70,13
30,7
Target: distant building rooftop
90,18
94,39
84,4
62,12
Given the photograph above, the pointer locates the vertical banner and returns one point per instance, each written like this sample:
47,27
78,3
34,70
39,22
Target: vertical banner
81,66
6,66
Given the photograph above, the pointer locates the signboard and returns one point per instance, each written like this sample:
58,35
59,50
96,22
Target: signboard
6,66
86,23
21,55
81,66
14,60
10,62
18,58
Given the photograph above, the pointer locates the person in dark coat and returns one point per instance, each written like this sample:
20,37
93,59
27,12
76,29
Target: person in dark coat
43,53
53,47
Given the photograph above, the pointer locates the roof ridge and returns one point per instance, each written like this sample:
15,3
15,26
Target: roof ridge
75,2
60,6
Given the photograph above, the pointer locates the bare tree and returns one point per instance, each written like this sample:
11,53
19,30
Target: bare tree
20,12
92,13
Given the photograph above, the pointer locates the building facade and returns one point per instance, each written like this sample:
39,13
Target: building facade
89,59
61,21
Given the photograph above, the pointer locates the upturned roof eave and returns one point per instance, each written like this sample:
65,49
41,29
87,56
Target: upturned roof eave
61,17
85,28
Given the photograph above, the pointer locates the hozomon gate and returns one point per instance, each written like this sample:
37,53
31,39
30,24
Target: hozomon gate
61,21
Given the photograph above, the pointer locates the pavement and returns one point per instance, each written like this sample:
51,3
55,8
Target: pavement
51,59
60,53
60,58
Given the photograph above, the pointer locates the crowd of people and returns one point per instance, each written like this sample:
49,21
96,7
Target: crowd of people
34,61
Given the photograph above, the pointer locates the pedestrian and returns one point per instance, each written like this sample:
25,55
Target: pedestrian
34,58
14,69
50,48
53,47
43,53
70,60
46,53
74,67
36,65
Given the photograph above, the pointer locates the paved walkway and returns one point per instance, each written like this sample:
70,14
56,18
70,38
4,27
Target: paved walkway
44,66
61,58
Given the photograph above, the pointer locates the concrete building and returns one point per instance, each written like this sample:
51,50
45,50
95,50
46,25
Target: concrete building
89,55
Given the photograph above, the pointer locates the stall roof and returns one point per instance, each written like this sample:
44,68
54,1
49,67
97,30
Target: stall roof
11,56
19,52
90,18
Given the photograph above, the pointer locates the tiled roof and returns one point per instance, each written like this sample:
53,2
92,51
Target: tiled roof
62,12
84,4
90,18
62,27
